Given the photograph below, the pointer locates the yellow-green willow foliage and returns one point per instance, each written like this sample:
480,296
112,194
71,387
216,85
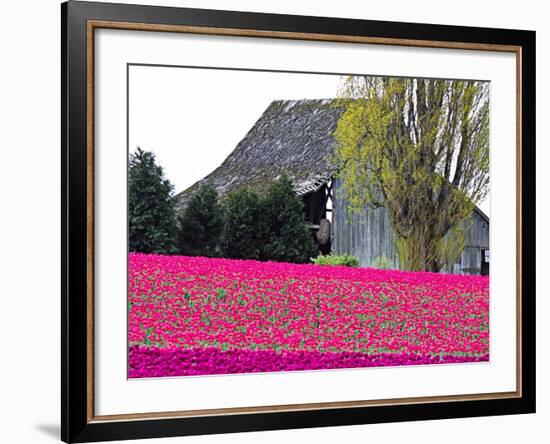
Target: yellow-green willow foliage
420,148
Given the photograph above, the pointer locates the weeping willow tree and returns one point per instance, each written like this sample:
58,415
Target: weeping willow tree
419,148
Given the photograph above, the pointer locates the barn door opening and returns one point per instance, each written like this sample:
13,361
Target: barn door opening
318,214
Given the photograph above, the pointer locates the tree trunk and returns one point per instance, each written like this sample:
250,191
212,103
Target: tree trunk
433,266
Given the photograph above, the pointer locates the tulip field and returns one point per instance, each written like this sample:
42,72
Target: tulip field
202,316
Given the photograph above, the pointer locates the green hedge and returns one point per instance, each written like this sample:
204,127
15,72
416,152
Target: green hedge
332,259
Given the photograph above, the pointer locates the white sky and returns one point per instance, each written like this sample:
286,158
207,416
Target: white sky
193,118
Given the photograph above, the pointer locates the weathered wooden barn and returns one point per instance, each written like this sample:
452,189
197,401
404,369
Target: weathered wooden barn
296,138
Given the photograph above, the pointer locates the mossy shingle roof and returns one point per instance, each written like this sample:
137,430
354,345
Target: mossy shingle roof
291,137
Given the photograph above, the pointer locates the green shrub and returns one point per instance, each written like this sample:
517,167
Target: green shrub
267,227
382,262
332,259
201,224
244,232
290,239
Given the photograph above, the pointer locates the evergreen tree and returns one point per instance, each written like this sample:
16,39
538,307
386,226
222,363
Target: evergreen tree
244,234
289,239
151,214
201,224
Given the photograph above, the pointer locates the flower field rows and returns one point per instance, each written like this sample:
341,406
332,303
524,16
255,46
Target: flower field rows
194,315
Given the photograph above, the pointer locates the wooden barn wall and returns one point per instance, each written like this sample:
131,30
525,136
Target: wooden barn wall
476,239
368,236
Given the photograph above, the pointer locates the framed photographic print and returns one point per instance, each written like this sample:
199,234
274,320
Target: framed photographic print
275,221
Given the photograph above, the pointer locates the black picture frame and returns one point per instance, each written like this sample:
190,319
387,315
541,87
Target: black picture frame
77,425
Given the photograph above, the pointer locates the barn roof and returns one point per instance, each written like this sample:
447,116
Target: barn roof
481,213
292,137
